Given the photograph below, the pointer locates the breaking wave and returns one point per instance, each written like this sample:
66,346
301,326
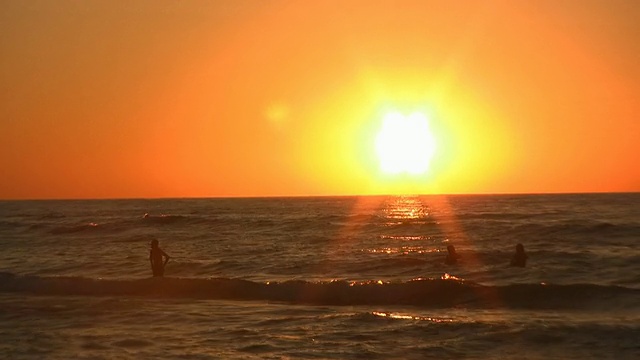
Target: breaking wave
445,292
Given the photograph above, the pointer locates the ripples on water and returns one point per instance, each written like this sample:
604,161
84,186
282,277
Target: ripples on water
335,277
395,238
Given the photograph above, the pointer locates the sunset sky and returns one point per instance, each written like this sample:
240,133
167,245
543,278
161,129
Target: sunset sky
128,99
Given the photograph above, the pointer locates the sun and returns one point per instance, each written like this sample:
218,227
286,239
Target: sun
405,144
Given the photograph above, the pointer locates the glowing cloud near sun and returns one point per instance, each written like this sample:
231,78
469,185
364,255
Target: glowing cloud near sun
405,144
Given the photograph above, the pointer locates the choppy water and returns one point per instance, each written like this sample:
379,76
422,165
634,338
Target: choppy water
350,277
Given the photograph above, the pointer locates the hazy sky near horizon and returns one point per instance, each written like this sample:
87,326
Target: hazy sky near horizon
111,99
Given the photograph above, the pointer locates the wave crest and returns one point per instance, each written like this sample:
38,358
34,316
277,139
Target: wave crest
444,292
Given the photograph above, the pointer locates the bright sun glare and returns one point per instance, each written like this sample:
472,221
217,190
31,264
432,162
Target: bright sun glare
405,144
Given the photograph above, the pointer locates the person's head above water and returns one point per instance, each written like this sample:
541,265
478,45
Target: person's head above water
519,258
154,243
452,256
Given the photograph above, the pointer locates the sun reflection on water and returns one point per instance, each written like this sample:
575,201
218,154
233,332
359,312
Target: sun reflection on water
410,317
405,208
404,219
447,276
405,250
368,282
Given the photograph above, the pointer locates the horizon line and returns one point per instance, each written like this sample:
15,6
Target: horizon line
319,196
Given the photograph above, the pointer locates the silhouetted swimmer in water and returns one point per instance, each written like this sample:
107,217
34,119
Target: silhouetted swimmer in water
156,258
520,258
452,256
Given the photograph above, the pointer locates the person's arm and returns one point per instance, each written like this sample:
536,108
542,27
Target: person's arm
166,258
150,259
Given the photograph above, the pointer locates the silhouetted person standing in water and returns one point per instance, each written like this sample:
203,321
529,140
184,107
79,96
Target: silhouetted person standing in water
156,258
520,258
452,256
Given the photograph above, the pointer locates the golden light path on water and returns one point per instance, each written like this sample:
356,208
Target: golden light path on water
411,317
391,211
412,209
394,211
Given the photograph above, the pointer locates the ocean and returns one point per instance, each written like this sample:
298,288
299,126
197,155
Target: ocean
322,278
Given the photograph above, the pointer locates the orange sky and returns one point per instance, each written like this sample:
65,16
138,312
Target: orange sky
111,99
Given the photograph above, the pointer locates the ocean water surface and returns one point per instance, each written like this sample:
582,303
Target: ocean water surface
322,278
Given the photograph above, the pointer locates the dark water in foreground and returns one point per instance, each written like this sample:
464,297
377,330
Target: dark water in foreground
322,278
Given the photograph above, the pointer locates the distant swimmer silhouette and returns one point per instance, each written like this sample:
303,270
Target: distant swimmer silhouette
452,256
520,258
156,258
